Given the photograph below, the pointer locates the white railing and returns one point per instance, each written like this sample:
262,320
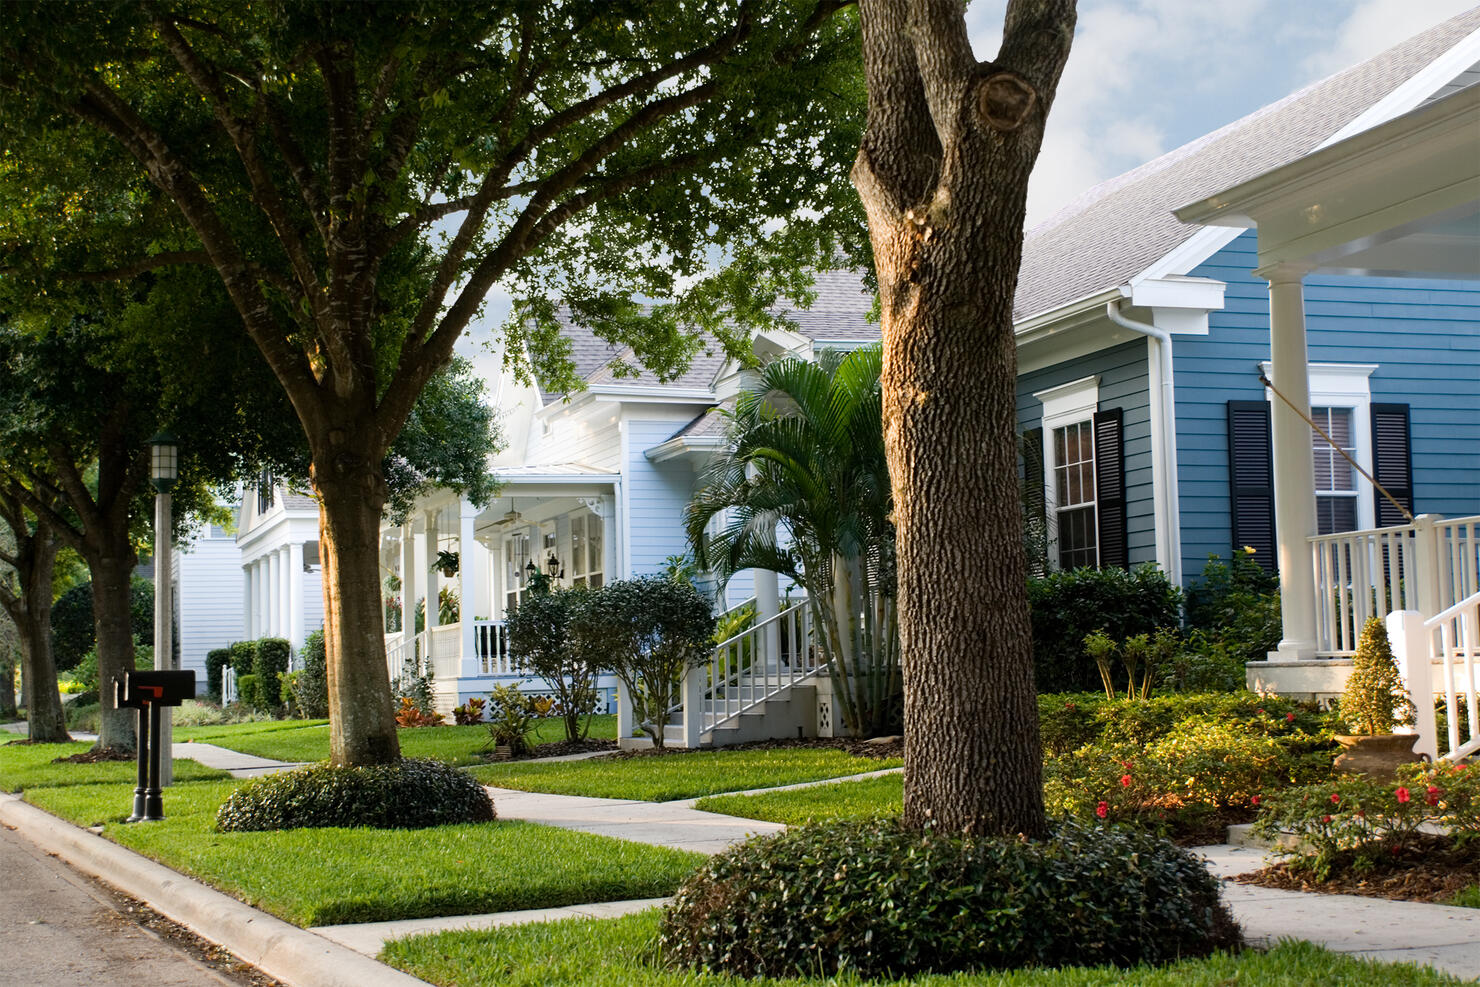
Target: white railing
228,685
1426,567
399,653
1452,638
491,645
444,650
753,666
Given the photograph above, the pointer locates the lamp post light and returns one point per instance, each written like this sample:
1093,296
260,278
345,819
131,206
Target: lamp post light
164,471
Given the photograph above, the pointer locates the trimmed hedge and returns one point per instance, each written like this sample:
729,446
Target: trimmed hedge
413,793
875,899
309,689
243,656
269,663
1066,606
216,662
249,692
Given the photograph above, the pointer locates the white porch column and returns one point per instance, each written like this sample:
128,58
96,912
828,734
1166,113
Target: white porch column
247,601
259,583
610,549
285,596
408,584
275,594
1294,473
295,595
768,605
469,582
432,536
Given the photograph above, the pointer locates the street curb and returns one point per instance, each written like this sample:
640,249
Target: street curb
283,951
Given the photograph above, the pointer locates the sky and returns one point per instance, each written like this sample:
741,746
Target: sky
1147,76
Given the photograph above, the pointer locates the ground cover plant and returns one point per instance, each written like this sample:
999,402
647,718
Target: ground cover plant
663,778
328,876
869,797
308,740
624,953
25,766
879,899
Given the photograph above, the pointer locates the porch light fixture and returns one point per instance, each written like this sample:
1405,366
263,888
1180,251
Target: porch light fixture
164,461
554,568
529,570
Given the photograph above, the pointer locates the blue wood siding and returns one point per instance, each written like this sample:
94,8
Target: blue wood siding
1424,336
1122,372
657,494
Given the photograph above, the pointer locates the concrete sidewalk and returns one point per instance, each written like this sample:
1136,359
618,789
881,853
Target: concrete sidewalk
238,764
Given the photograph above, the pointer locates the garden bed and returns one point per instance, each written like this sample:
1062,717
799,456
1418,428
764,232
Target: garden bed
1429,868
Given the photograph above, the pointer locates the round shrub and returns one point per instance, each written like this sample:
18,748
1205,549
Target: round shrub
216,661
413,793
879,900
269,663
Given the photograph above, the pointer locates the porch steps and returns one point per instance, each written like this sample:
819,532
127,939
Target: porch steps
787,715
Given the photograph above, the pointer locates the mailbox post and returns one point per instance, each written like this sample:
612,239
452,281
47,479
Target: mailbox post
149,692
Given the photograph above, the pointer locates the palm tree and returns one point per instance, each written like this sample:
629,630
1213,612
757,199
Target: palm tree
807,463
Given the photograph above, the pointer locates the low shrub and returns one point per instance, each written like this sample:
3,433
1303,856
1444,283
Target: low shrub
243,655
1233,615
413,793
84,717
412,715
1353,821
511,716
1066,606
875,899
216,661
193,713
1068,721
469,713
269,664
249,693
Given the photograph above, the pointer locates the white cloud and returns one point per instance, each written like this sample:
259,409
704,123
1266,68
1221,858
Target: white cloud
1375,25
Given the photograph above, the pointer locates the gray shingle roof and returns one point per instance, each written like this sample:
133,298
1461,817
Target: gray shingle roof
711,424
840,311
594,358
1117,229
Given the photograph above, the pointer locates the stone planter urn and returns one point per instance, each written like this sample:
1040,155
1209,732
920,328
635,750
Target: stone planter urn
1375,755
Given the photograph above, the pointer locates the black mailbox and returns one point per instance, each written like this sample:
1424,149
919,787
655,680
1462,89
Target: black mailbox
148,692
162,688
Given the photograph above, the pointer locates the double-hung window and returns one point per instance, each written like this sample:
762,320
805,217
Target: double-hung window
1074,495
1336,481
1083,477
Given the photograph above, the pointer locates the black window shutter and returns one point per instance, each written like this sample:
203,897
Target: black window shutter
1392,462
1035,504
1251,480
1110,488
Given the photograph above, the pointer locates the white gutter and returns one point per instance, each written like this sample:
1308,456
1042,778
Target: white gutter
1163,443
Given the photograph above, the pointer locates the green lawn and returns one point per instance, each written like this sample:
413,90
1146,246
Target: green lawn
1468,898
27,766
662,778
841,800
308,740
330,876
621,953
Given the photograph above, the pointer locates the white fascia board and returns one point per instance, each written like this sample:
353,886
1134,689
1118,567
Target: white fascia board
1178,304
653,393
1419,87
1083,309
699,445
1190,253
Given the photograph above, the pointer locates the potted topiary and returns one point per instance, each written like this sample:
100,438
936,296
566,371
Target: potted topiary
1374,702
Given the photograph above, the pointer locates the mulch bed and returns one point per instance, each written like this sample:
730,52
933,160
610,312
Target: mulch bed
95,756
559,748
1430,868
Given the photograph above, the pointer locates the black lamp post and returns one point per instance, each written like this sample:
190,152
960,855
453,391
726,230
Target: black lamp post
163,473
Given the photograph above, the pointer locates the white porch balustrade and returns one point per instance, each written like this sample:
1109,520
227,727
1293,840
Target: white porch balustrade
1451,638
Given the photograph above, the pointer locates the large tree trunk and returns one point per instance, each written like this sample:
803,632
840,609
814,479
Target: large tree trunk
943,175
7,685
112,568
30,611
362,722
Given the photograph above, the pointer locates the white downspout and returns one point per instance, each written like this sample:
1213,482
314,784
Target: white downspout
1165,440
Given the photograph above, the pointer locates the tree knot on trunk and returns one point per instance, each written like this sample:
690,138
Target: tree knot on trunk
1004,101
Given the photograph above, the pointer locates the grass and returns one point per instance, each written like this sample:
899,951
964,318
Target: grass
662,778
1468,898
308,740
621,953
331,876
841,800
29,766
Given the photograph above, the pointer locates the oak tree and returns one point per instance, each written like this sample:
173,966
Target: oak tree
943,174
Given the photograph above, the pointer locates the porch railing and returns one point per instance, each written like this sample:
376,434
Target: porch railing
491,645
1426,567
1452,639
756,665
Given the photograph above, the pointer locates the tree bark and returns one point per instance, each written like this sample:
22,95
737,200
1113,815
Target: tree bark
112,568
943,176
7,686
362,723
30,611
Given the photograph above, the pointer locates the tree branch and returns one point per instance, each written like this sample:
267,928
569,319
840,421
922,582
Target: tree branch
133,270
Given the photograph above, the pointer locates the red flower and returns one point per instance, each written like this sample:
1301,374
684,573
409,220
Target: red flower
1289,717
1395,849
1325,819
1125,781
1126,765
1402,794
1432,798
1102,810
1361,814
1254,800
1259,711
1335,798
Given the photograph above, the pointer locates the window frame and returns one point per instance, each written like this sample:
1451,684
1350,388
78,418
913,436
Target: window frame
1346,386
1068,404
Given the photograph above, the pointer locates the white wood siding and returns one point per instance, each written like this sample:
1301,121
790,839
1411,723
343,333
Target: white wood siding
209,599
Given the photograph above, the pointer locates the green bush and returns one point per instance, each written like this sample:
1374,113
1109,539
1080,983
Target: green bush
83,717
192,713
1067,606
1233,617
413,793
72,625
243,656
874,899
216,661
539,633
86,671
308,693
1068,720
1375,699
249,692
269,664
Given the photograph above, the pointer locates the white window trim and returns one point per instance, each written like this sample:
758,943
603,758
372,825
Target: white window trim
1346,385
1066,404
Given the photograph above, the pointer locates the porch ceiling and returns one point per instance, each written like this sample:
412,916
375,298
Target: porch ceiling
1401,199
